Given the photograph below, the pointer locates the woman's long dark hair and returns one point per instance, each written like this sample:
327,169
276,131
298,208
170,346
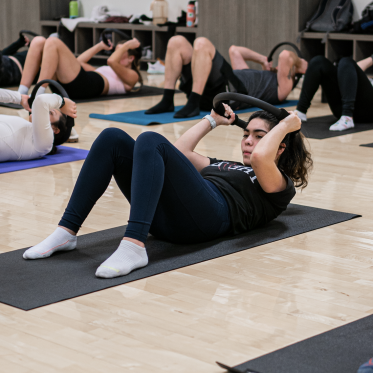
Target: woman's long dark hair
137,53
295,161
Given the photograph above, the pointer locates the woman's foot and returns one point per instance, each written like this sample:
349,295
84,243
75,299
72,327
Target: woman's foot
301,116
59,240
125,259
344,123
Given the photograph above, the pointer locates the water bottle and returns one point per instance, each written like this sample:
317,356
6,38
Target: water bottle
191,14
73,9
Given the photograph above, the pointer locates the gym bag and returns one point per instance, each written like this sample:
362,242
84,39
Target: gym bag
365,24
331,16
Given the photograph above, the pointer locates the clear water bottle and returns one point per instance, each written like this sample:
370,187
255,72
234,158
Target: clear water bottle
160,11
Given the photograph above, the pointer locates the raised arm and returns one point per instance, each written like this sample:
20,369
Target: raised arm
91,52
365,63
189,140
41,126
128,76
239,56
14,47
266,153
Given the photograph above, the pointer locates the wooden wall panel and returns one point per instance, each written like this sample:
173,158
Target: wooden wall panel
223,22
16,15
257,24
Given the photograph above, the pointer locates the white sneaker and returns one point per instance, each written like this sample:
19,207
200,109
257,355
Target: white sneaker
344,123
156,68
74,137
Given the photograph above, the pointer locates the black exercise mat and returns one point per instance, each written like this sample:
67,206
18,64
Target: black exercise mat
146,90
28,284
318,128
368,145
342,349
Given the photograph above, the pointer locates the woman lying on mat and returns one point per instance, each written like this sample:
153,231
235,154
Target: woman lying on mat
21,140
180,196
81,80
347,88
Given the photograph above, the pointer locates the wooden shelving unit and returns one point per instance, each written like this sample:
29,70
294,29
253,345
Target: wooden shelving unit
337,45
87,34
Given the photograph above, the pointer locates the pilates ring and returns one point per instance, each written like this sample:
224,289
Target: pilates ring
270,58
279,113
118,32
59,138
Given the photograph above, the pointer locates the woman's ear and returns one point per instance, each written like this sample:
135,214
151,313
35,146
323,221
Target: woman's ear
281,149
55,129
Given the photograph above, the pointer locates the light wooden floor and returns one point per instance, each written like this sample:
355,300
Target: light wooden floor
229,309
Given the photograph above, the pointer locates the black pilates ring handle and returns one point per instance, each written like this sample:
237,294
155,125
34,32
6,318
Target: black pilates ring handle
28,32
218,107
298,52
118,32
62,92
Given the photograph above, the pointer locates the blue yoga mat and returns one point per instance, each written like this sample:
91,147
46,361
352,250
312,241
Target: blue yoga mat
139,117
64,154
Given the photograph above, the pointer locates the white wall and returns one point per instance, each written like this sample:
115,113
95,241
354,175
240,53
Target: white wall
359,6
129,7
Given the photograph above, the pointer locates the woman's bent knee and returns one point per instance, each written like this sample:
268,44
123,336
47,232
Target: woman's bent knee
38,41
177,42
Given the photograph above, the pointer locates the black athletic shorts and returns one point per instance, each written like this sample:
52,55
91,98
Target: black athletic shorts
216,83
88,84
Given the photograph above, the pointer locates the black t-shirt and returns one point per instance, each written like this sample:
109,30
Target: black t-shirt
249,205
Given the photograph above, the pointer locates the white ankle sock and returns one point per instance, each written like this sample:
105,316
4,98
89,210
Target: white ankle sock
344,123
125,259
59,240
40,91
23,90
301,116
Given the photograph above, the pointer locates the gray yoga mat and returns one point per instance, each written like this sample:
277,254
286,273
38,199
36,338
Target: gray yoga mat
318,128
342,349
146,90
27,284
368,145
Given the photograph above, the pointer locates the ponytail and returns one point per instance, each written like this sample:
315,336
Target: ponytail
296,161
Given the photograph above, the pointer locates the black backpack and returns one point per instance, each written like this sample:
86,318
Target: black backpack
331,16
365,24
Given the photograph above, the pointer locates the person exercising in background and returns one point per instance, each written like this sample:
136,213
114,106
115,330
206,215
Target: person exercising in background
12,62
204,73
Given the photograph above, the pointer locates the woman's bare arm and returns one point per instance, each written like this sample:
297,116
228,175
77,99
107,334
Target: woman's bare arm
263,158
128,76
189,140
365,63
91,52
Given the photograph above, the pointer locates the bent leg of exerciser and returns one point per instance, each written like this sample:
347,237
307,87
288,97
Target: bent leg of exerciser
110,155
58,62
322,72
179,53
32,63
202,59
170,199
356,91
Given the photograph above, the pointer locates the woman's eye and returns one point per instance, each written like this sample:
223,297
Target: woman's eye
245,136
259,137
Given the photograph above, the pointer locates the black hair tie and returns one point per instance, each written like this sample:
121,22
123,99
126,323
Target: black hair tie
61,137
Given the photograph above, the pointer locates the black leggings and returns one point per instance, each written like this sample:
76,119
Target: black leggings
347,88
168,196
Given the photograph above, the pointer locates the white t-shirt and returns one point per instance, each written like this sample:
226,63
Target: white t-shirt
22,140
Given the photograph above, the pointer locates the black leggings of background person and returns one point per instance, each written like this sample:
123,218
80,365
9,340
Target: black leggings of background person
346,86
